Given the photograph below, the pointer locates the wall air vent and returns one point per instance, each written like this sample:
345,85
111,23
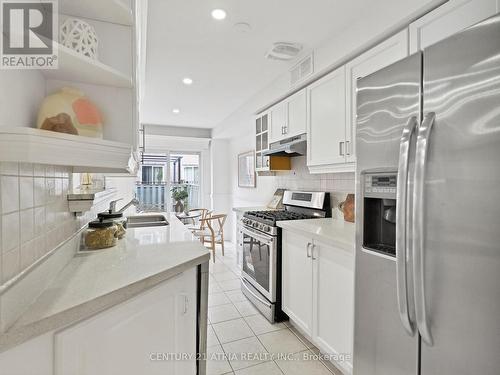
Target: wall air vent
303,69
283,51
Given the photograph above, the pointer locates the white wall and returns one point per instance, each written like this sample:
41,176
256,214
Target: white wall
21,92
220,176
238,128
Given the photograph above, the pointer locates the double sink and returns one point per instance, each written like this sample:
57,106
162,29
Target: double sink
141,221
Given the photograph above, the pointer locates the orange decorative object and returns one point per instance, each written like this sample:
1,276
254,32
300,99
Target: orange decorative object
71,102
86,112
347,208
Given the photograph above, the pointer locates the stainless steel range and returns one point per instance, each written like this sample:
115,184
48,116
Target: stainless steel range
261,248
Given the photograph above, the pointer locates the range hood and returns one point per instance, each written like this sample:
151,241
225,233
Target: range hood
293,146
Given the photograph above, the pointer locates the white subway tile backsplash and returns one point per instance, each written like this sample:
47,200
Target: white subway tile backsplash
10,264
40,191
58,188
25,192
8,168
39,221
9,186
26,169
39,170
50,189
26,225
34,214
300,179
50,171
10,231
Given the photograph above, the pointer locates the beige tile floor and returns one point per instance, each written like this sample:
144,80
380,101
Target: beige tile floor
241,341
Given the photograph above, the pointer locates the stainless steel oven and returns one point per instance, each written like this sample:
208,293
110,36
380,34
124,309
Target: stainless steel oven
259,268
259,261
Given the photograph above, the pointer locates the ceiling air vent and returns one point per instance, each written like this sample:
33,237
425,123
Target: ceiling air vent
283,51
302,70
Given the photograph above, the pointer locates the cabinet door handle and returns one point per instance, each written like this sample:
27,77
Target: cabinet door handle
308,248
312,252
347,148
285,129
184,304
341,148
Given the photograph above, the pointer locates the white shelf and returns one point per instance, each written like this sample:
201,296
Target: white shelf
82,200
76,67
114,11
29,145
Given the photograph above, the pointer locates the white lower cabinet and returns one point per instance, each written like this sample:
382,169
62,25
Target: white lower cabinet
128,339
297,288
318,294
333,296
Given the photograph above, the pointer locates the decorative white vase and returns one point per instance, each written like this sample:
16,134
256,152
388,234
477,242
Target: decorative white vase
79,36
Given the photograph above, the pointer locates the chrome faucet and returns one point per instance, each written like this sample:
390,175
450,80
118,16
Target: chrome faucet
112,205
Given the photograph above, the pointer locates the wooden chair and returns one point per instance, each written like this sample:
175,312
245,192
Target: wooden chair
213,233
198,223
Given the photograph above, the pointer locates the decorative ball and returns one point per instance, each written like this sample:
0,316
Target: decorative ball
69,110
79,36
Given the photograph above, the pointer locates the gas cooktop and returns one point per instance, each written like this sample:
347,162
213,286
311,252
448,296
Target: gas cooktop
299,205
271,217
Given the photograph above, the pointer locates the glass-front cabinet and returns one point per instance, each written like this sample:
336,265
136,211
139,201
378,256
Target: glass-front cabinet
262,125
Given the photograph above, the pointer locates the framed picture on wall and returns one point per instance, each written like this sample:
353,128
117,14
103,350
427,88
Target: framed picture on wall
246,170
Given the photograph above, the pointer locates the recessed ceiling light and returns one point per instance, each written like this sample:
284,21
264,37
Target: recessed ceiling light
176,111
187,81
219,14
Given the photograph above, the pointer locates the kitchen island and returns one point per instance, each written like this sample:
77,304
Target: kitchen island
112,282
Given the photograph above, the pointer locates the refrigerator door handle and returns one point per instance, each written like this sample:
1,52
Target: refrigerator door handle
418,227
401,223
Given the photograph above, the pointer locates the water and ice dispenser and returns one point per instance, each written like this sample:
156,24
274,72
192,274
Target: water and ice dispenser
379,211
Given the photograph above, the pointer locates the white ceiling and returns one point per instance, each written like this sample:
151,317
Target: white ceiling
227,66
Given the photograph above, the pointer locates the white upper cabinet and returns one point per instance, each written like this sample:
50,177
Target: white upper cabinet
326,122
448,19
380,56
297,114
288,118
278,121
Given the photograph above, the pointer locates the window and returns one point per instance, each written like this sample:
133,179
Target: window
152,174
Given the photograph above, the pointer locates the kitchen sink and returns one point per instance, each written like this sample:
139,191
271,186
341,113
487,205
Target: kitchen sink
141,221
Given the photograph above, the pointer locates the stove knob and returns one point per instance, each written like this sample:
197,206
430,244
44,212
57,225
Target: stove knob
267,228
255,225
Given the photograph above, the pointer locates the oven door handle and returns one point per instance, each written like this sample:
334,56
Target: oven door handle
244,283
259,237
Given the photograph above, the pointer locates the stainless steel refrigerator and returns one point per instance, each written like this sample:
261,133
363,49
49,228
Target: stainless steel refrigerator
428,211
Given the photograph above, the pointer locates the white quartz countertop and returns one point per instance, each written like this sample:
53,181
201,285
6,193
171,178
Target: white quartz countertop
335,232
95,281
